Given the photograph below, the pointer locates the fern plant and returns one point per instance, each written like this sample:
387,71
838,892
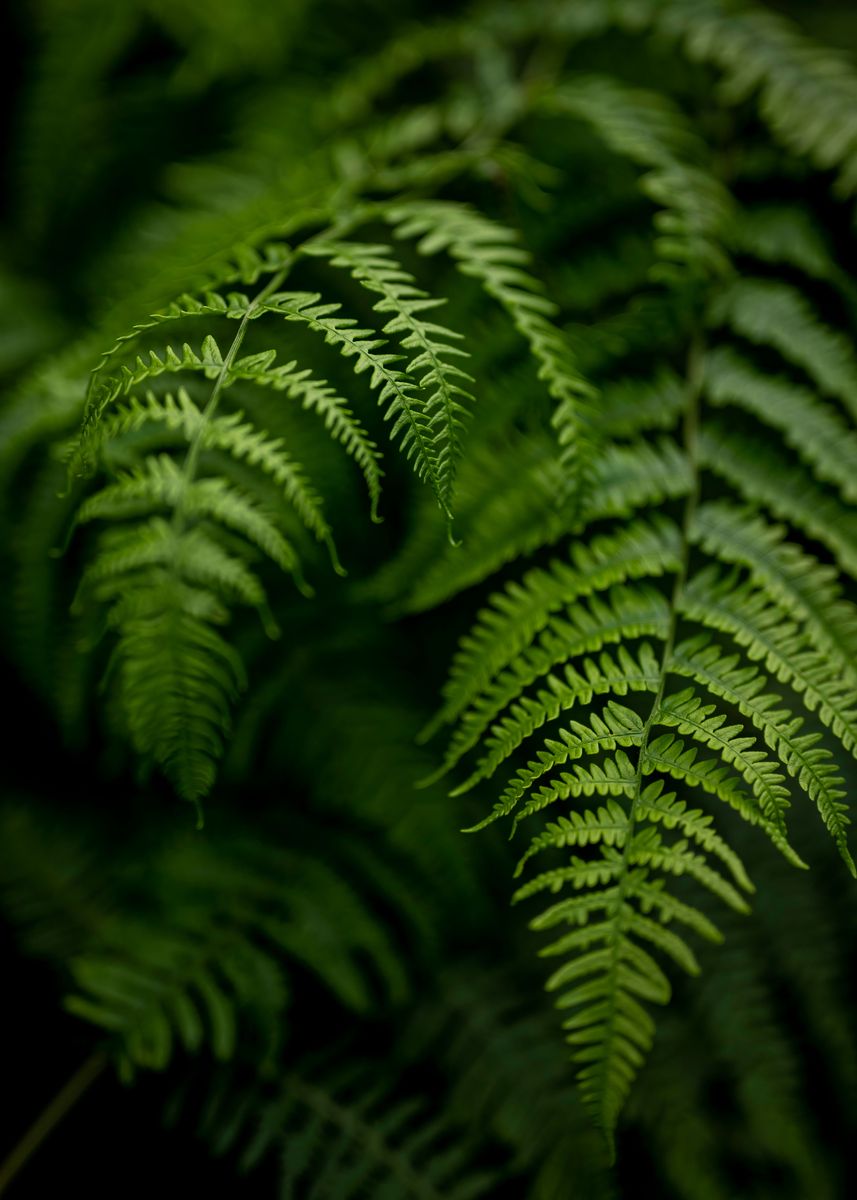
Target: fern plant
169,581
584,265
578,637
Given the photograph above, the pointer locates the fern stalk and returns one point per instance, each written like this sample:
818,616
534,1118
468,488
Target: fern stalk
63,1102
694,383
191,458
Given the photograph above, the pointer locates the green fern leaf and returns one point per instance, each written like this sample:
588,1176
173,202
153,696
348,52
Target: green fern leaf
489,253
431,346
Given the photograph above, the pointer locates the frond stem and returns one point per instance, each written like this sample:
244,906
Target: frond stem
694,378
65,1099
191,460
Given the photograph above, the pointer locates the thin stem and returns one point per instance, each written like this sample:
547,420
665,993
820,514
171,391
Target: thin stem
691,439
691,433
192,457
50,1117
191,460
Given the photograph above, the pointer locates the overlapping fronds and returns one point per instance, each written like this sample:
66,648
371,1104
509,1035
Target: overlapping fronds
490,253
439,421
587,264
177,555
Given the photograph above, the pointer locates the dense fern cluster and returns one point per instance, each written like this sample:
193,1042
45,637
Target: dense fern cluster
169,581
532,320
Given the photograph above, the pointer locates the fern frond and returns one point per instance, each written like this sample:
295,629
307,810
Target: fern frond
189,943
423,392
749,1023
648,129
490,253
771,313
781,233
431,346
806,589
508,1078
810,764
764,629
411,422
512,677
609,1029
763,474
811,428
166,631
804,92
516,616
160,483
168,995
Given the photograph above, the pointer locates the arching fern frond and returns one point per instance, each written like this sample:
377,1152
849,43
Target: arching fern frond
396,389
431,346
490,253
189,533
522,691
